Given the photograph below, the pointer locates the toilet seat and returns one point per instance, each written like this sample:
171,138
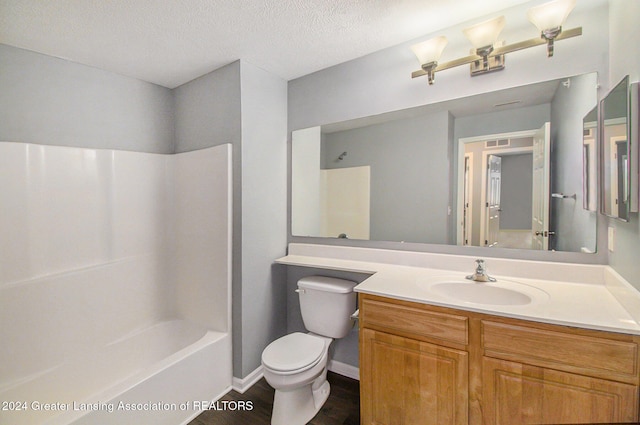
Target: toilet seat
293,353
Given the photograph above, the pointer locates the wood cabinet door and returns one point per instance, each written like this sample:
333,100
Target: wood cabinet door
515,393
404,381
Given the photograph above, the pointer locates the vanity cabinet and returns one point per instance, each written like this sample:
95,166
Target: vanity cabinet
433,365
413,366
412,382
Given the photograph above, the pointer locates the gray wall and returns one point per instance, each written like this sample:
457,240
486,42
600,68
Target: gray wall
625,59
207,111
511,120
408,159
574,226
52,101
264,214
516,191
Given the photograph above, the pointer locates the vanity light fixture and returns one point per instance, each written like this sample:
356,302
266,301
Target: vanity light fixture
488,53
549,17
483,37
428,52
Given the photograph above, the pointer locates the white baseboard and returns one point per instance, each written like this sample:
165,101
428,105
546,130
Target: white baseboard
242,385
344,369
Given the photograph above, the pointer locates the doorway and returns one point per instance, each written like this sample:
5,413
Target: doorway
496,195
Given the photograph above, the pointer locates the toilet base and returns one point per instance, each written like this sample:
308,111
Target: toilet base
299,406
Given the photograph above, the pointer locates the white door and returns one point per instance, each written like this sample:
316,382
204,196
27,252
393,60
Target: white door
494,178
540,202
467,217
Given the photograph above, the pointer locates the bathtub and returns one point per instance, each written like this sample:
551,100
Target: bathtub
157,375
115,285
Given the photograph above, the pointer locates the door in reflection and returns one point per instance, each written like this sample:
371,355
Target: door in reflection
540,203
494,180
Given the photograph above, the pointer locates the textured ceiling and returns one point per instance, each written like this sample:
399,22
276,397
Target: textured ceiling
170,42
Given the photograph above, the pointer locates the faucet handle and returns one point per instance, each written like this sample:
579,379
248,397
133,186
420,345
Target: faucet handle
480,265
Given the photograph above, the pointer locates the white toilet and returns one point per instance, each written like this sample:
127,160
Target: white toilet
296,364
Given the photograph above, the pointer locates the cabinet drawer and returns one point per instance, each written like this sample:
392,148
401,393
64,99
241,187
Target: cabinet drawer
414,321
588,355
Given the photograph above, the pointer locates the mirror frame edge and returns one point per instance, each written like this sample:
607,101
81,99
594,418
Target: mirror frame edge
634,150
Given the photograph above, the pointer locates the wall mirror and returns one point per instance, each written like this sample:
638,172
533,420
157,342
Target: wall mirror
502,169
616,153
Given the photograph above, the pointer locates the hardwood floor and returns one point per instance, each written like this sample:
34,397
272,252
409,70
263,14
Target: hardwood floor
342,407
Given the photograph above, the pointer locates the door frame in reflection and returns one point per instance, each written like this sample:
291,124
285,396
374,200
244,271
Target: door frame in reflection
460,219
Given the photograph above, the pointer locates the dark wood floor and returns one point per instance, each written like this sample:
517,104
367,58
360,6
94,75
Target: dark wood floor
342,407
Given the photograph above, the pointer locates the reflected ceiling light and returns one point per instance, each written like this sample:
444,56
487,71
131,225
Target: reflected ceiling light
428,52
488,53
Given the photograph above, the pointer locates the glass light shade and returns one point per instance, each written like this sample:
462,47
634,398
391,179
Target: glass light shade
430,50
550,15
485,33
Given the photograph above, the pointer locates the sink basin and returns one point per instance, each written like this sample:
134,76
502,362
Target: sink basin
482,293
504,292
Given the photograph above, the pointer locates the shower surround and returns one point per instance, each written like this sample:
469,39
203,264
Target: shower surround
115,274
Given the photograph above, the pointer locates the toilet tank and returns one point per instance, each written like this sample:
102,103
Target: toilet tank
326,304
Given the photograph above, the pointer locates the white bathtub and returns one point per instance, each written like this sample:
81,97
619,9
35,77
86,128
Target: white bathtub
115,284
165,367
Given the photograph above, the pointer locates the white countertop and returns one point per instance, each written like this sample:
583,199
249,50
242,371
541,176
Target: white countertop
585,296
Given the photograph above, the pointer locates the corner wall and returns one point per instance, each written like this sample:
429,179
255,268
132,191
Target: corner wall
568,217
52,101
244,105
264,214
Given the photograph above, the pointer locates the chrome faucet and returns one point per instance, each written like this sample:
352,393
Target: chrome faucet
481,273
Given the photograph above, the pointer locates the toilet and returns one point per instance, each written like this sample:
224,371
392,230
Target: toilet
296,364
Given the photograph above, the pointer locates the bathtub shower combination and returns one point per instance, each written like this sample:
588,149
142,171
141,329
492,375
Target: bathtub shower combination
114,284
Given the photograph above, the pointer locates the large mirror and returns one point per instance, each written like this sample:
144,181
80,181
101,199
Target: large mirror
615,152
502,169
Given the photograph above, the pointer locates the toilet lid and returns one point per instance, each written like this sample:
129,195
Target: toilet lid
292,352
